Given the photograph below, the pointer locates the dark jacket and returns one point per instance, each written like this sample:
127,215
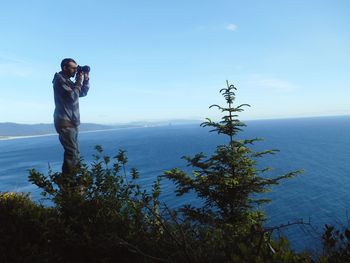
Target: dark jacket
67,93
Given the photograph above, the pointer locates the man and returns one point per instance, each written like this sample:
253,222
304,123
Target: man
66,115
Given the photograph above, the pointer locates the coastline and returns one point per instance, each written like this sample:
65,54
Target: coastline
7,138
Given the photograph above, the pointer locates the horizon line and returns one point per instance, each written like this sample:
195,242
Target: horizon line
186,120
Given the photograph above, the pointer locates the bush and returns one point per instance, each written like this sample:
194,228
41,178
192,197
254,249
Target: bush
24,229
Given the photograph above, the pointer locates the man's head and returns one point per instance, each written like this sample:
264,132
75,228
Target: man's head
69,67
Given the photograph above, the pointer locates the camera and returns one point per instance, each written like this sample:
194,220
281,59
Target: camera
84,69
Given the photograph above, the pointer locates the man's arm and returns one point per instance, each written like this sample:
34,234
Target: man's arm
86,85
66,88
77,85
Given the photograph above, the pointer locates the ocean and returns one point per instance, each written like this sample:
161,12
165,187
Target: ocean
319,145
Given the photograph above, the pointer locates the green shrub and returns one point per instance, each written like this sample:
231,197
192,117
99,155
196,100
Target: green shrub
24,229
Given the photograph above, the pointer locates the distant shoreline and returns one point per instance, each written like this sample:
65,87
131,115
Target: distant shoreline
7,138
11,130
148,125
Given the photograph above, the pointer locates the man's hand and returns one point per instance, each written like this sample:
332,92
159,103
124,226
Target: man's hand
79,77
79,80
86,75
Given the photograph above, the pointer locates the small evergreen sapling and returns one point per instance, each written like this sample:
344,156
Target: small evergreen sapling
228,181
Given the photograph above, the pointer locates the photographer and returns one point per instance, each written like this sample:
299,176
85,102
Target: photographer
66,115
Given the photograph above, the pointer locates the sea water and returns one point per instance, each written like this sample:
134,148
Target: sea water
320,146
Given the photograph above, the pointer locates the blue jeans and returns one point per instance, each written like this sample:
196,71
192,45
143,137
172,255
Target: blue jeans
69,140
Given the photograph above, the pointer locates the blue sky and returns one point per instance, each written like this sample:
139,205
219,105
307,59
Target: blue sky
157,60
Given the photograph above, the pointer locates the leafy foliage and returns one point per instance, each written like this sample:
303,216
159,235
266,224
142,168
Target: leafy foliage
336,244
102,209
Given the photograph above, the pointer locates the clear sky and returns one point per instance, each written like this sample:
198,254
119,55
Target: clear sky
157,60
